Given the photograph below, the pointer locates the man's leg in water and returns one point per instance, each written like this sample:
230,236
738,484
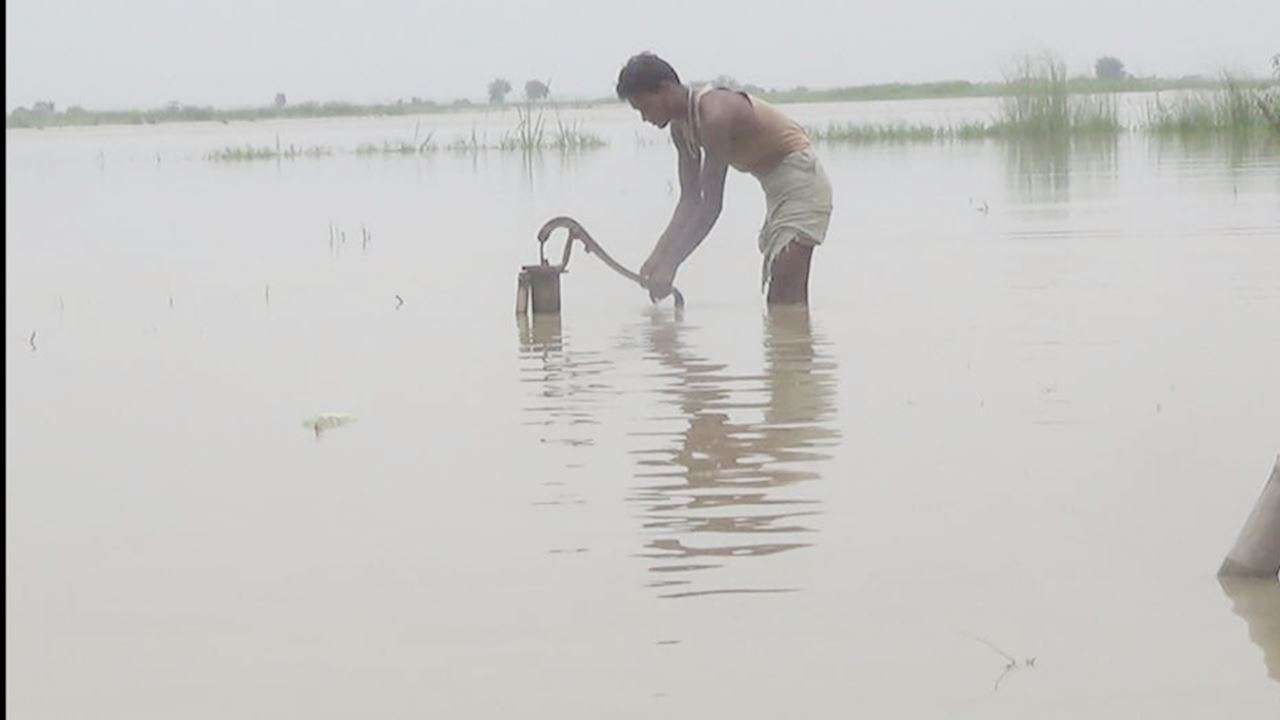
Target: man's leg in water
789,282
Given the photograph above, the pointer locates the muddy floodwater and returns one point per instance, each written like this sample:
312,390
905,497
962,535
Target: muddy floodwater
277,447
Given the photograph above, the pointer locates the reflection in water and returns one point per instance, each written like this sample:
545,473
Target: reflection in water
724,485
567,388
1232,149
568,382
1258,602
1041,170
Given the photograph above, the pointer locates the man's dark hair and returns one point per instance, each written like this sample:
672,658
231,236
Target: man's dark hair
644,73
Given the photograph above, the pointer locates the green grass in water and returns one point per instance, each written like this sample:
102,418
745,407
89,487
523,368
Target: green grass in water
1236,108
249,152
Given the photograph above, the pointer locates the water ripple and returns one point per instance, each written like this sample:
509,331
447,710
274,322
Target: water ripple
728,482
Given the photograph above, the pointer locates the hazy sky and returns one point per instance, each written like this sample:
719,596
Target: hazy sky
143,53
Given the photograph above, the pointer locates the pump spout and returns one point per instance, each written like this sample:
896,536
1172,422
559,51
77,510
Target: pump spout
580,234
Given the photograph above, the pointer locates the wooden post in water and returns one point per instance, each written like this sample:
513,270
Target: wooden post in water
1257,600
1257,550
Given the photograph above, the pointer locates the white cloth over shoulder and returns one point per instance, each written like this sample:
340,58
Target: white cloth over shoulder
798,206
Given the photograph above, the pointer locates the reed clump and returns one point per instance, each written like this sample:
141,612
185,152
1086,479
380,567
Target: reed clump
233,153
1042,105
1237,107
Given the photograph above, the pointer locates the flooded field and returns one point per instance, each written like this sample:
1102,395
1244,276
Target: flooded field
990,473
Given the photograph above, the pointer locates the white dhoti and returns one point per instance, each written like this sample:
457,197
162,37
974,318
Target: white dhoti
798,206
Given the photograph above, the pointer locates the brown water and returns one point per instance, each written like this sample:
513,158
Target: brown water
1032,431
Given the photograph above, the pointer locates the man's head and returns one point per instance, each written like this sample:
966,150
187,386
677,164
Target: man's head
652,87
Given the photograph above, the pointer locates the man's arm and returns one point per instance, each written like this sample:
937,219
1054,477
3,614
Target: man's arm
701,198
688,167
706,209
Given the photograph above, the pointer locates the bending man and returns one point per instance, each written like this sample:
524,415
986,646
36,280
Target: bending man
714,129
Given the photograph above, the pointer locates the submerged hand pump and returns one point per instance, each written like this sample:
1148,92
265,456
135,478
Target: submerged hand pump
538,286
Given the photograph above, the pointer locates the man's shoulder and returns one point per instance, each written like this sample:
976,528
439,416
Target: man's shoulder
722,109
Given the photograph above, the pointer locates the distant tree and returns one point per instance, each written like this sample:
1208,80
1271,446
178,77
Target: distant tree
43,107
727,81
280,100
498,89
537,90
1109,68
1275,65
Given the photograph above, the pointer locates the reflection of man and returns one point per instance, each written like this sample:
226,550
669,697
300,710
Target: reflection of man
729,474
717,128
801,399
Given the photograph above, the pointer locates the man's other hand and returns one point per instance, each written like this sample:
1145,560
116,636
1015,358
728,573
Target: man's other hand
658,274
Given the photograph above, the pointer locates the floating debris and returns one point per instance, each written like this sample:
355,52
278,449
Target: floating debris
328,421
1011,664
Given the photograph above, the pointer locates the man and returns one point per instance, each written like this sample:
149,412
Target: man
714,129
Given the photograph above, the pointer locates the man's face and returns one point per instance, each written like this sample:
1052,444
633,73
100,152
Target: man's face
650,108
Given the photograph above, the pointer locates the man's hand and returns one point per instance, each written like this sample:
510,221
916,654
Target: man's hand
658,274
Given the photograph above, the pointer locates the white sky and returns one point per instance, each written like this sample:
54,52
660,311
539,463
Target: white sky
144,53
